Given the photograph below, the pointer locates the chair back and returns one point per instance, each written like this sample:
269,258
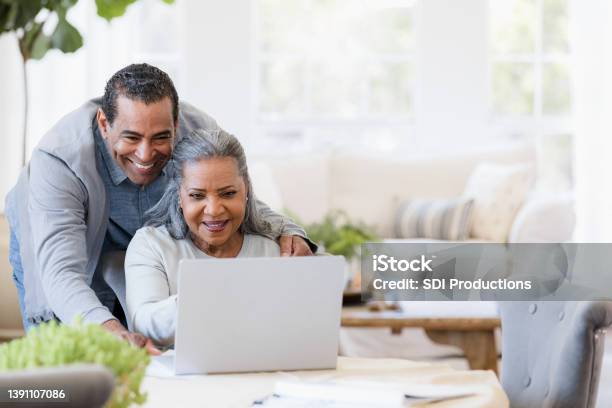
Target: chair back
552,352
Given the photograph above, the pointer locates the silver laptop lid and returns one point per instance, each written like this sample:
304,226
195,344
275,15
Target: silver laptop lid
258,314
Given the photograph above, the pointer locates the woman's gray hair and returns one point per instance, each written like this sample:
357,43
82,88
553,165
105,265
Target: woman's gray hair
202,145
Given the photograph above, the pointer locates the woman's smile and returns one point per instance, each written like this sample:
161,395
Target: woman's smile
215,226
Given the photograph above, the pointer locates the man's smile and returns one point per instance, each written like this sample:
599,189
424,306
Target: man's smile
143,166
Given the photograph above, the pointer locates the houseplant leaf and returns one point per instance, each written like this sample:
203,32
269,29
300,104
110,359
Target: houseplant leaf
8,16
109,9
338,234
66,37
40,46
29,39
27,10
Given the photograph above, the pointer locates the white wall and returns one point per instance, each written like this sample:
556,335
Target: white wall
218,65
11,107
592,43
451,96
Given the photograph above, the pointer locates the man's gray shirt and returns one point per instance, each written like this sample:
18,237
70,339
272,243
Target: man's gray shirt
63,210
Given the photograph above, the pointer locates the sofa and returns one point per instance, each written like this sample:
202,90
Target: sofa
370,188
10,317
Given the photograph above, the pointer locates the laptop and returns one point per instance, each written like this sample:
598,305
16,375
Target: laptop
258,314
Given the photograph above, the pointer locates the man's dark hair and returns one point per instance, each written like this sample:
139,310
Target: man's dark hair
141,82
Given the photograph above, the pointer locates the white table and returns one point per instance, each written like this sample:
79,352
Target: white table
240,390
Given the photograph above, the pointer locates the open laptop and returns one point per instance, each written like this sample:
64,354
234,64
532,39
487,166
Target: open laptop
258,314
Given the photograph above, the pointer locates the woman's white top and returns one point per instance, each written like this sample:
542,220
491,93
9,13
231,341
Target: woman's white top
151,270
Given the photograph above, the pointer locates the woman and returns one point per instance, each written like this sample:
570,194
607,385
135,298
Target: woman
208,210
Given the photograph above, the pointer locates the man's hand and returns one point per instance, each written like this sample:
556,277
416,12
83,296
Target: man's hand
136,339
294,245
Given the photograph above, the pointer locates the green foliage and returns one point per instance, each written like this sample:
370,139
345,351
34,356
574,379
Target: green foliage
31,19
52,344
66,38
339,235
109,9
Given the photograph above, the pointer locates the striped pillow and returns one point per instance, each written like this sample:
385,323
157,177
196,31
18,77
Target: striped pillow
435,219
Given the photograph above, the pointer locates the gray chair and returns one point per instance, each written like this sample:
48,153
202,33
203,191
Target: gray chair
552,352
85,385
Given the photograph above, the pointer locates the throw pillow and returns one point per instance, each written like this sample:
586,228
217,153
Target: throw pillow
434,219
499,191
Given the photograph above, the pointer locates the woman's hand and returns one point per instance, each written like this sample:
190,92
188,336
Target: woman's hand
294,245
136,339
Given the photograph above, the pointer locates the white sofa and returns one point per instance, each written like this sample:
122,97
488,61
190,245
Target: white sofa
370,188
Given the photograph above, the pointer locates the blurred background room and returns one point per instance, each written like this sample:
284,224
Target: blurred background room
365,107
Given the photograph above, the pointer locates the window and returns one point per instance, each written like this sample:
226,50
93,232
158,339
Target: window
529,53
334,66
530,80
159,47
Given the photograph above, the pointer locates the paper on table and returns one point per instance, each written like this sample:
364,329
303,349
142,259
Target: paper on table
414,389
356,394
424,309
162,365
288,402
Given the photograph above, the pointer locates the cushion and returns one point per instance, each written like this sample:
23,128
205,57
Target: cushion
544,218
435,219
498,191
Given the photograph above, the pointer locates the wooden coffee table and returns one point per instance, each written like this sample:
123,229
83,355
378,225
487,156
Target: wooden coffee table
475,336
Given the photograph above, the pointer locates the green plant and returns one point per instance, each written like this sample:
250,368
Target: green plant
32,20
339,234
52,344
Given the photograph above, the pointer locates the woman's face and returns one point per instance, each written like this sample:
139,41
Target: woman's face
213,198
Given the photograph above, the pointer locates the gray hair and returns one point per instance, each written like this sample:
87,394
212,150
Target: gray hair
202,145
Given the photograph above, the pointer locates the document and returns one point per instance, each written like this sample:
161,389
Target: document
356,394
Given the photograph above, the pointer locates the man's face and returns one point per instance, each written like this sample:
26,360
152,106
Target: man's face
141,137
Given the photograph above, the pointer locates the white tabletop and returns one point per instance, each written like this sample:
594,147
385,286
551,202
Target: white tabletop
240,390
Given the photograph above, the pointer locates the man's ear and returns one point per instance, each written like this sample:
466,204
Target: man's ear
103,124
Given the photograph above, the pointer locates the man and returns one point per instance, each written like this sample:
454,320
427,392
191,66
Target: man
86,190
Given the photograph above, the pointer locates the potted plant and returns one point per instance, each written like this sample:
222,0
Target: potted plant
337,234
53,344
